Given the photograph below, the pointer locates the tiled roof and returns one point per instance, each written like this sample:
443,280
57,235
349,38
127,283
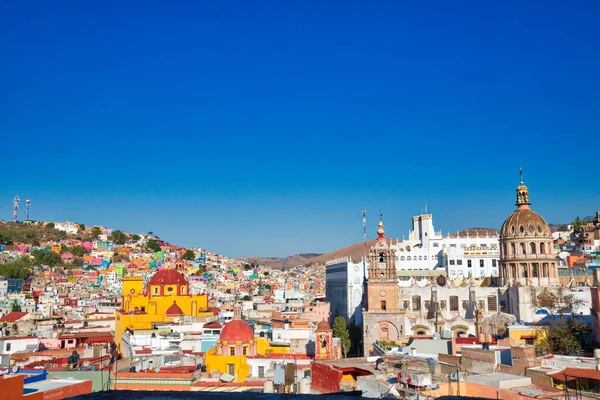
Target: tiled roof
13,316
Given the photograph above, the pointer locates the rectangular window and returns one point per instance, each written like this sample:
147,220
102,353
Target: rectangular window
534,270
245,350
458,262
494,263
469,263
383,305
416,303
232,351
482,273
480,263
231,369
453,303
8,346
261,372
451,262
492,306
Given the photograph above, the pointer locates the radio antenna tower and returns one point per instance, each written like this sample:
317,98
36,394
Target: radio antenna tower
15,208
27,203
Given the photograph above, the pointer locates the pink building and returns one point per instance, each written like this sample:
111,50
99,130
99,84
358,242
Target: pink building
317,312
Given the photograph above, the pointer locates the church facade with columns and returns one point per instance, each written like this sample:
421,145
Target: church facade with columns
396,308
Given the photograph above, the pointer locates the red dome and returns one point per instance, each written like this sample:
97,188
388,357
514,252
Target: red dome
168,277
174,309
323,326
237,331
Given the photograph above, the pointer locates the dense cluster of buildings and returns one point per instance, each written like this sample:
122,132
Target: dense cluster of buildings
437,315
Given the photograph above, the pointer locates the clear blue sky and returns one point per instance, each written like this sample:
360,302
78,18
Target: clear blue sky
265,127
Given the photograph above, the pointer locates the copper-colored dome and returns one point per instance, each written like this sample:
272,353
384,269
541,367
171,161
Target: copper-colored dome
323,326
524,222
236,331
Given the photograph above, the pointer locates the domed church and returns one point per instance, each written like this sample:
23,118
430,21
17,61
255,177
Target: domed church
528,265
526,246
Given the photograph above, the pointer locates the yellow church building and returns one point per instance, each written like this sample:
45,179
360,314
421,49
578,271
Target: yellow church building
236,346
165,298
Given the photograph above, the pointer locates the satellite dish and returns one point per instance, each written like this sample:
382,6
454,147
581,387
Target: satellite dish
15,369
563,255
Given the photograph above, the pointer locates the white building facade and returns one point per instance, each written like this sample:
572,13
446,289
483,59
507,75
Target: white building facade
461,256
344,288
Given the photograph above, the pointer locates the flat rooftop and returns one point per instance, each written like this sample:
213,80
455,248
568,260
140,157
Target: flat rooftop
499,380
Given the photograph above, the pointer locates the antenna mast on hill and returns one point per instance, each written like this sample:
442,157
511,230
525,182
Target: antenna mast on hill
27,203
15,208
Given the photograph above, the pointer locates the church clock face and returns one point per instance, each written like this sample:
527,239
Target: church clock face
382,293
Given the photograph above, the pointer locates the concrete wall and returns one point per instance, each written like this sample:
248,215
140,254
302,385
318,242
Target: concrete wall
479,360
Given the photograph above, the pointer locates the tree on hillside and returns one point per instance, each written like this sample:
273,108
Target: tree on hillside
82,227
247,297
189,255
136,237
78,250
96,231
340,330
15,306
5,237
50,225
64,249
78,262
118,237
247,267
18,269
153,245
46,257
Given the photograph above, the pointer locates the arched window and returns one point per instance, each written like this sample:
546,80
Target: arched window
409,258
542,248
512,249
420,258
522,246
402,258
532,247
504,246
381,257
424,257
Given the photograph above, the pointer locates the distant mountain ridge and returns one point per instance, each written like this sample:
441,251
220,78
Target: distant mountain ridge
354,251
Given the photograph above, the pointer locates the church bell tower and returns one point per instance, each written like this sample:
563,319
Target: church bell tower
382,286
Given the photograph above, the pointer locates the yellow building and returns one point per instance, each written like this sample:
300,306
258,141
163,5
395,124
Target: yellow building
527,334
235,345
165,298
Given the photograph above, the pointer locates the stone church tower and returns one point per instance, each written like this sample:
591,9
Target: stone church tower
382,288
382,319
